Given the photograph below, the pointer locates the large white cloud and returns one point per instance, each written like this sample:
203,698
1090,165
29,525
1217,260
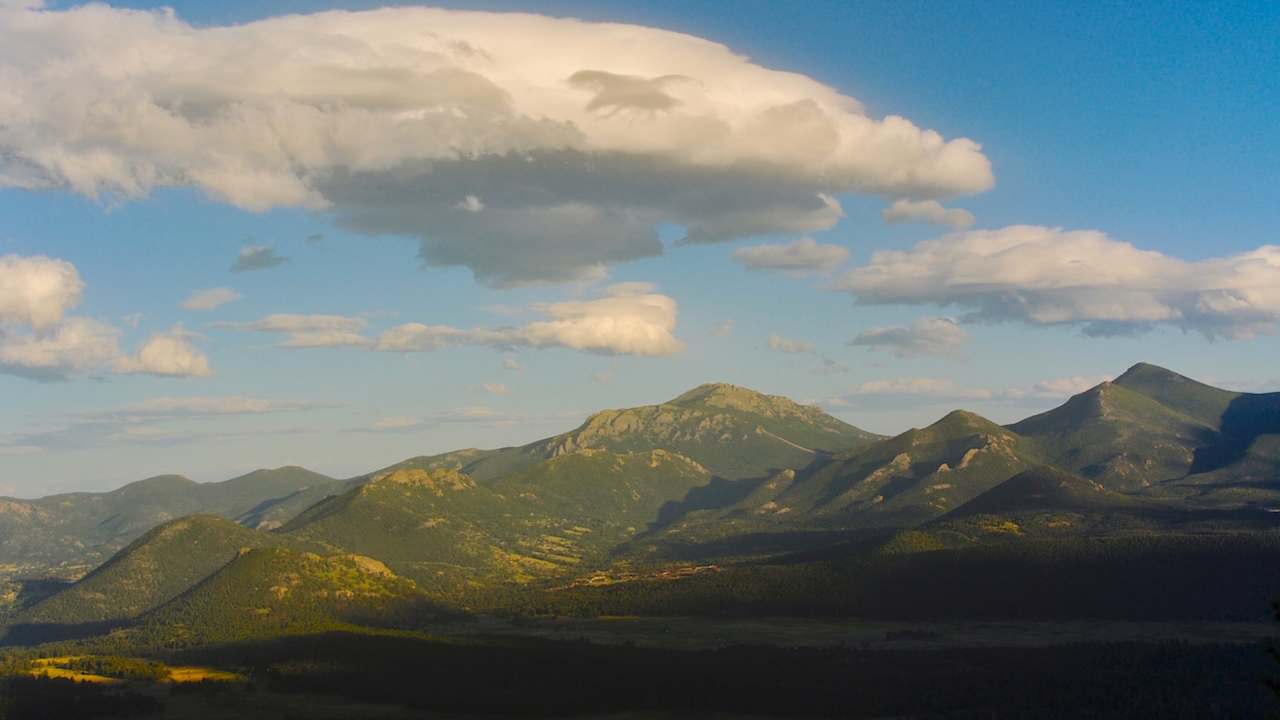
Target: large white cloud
1050,276
523,147
924,336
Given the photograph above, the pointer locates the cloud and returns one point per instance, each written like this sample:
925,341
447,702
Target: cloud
927,211
615,324
924,336
1049,276
470,203
168,419
931,390
495,388
37,291
475,414
173,407
307,331
724,328
801,257
40,342
167,354
581,139
76,345
510,363
257,257
781,344
211,299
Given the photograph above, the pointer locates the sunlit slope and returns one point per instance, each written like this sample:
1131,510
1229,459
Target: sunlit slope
731,431
445,530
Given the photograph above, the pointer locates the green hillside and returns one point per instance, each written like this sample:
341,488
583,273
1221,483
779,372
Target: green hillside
269,591
68,534
1122,438
731,431
449,533
152,570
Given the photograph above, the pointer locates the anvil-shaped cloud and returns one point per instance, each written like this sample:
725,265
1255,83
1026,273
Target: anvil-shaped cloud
526,148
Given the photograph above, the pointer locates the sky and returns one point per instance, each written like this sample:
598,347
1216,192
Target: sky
249,234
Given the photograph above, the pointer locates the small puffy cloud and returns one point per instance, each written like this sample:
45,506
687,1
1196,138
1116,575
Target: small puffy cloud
211,299
576,152
616,324
1049,276
801,257
74,346
495,388
786,345
470,203
927,211
510,363
307,331
168,354
257,257
37,291
724,328
925,336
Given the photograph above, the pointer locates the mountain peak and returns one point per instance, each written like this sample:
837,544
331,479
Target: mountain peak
963,420
711,391
1144,372
734,397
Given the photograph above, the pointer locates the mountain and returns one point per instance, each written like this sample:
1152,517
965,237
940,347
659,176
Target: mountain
1152,426
72,532
152,570
898,482
731,431
713,477
446,531
265,591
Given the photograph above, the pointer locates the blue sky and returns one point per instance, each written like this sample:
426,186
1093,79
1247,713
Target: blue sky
1152,124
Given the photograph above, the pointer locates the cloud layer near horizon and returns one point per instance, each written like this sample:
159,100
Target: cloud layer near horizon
629,319
465,130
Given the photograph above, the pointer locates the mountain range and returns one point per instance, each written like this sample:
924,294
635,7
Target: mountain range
727,487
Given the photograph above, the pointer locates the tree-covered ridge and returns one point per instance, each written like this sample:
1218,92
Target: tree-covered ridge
149,572
267,591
